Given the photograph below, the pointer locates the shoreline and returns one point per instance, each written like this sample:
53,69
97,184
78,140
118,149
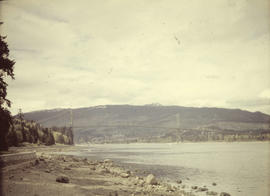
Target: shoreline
86,176
185,142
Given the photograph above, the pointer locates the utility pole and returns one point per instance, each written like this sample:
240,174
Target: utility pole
20,114
21,117
22,124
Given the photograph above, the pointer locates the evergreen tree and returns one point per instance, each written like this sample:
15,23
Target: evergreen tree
6,70
61,139
45,136
70,136
48,138
34,133
12,138
51,141
20,115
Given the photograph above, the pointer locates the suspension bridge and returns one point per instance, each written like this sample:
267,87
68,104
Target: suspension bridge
123,125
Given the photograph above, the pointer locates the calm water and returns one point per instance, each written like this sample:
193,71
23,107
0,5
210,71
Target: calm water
242,169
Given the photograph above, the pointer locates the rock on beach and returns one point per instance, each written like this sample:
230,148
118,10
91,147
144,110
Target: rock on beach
62,179
151,179
124,175
211,193
224,194
201,189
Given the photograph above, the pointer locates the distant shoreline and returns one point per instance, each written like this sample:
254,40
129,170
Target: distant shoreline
185,142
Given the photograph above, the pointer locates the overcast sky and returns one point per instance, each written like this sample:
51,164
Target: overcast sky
174,52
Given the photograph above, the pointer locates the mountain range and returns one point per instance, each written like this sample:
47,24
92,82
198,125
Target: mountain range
154,122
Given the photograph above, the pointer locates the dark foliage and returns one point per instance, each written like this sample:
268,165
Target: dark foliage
5,123
30,132
12,138
6,70
61,139
48,138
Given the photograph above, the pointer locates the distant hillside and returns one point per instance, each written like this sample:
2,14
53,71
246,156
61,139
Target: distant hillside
120,123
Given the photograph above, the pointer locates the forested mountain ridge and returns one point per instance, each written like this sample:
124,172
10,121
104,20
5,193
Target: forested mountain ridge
119,123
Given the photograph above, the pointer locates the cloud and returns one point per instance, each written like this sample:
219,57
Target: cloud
265,94
249,102
212,77
259,104
78,54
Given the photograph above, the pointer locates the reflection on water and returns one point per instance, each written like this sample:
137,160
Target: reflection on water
241,169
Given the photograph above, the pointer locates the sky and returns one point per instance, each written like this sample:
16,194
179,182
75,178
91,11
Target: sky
84,53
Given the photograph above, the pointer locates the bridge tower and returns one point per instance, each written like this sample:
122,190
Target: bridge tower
71,119
71,128
177,118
